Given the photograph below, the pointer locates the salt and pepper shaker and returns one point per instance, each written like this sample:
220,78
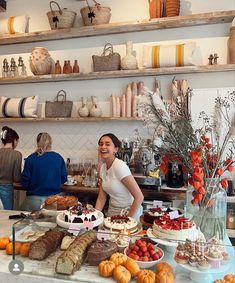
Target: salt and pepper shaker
13,70
5,69
216,59
211,57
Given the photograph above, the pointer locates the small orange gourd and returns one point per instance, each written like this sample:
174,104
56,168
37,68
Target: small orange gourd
132,266
3,242
146,276
164,266
9,248
229,278
164,277
118,258
121,274
24,249
106,268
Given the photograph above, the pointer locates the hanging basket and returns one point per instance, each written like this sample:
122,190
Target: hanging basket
61,18
95,15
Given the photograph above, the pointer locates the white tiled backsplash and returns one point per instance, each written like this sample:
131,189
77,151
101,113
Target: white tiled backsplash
78,141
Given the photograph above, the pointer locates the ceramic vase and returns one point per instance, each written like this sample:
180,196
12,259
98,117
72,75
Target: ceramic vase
40,61
129,62
83,111
95,109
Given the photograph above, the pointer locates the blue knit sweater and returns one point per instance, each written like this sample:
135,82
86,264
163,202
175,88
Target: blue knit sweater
44,174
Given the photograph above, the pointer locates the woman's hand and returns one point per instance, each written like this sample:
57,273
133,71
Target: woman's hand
130,183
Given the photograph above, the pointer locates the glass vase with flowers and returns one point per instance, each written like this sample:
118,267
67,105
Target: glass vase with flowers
205,153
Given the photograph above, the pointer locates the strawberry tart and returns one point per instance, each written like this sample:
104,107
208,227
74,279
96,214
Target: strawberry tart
118,223
179,228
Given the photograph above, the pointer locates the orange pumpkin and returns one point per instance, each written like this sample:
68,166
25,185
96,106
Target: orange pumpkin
164,266
3,242
164,277
9,248
132,266
229,278
118,258
106,268
24,249
121,274
146,276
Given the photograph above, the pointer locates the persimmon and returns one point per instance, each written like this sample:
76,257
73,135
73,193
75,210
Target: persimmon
9,248
3,242
24,249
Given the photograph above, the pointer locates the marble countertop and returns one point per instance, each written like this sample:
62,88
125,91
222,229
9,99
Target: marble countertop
44,271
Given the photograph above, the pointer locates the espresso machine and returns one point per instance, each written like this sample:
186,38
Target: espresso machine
146,174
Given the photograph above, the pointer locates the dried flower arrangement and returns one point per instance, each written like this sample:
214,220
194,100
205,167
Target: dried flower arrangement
203,152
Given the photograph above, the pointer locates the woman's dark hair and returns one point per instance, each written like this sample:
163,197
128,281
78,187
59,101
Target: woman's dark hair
9,135
114,139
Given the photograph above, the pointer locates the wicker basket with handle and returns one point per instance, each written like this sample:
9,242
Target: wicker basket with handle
108,61
61,18
95,15
59,108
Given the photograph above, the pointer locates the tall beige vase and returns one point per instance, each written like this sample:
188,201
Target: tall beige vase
231,46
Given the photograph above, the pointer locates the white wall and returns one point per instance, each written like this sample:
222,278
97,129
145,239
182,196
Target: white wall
78,140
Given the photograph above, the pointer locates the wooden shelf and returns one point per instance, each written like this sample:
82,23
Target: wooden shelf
72,119
124,27
119,74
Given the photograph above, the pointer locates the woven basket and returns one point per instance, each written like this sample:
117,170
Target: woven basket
95,15
60,18
56,108
108,61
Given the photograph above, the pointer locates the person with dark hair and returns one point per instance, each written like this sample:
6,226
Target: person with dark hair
44,172
10,166
117,181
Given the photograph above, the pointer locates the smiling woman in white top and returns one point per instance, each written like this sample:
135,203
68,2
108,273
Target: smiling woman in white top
117,181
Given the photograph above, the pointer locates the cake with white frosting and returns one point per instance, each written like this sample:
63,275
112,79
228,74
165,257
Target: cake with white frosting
119,222
180,228
80,213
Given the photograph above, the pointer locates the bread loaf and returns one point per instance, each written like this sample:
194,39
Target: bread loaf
45,245
71,260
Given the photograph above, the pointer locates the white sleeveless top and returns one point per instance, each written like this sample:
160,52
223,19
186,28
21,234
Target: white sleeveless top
120,197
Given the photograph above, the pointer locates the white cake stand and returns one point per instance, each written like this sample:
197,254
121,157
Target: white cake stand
204,276
170,246
60,221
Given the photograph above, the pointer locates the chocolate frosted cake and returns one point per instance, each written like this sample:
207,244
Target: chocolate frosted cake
100,250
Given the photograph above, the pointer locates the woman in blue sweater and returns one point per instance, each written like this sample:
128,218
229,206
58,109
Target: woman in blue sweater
44,172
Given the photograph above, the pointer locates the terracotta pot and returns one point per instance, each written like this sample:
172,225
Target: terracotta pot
172,8
231,46
40,61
